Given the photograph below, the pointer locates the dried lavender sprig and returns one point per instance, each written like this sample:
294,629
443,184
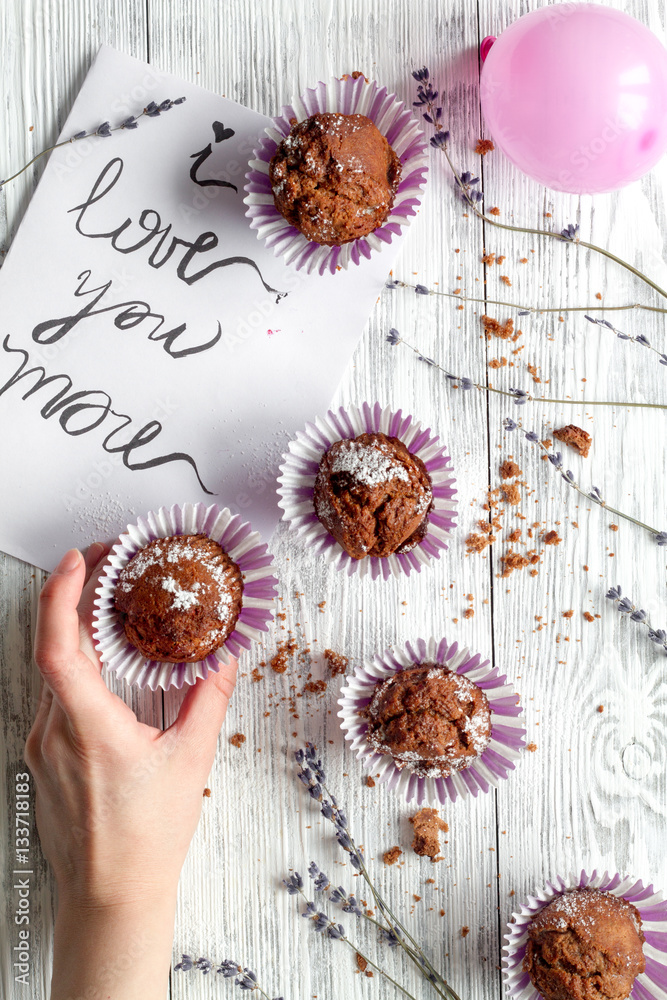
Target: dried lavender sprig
311,774
594,494
244,978
639,339
625,606
524,310
103,131
322,924
520,396
568,235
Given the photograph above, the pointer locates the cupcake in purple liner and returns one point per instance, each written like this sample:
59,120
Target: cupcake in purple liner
323,217
183,589
588,937
465,737
370,490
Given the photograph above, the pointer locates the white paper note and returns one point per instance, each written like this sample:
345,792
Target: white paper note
152,350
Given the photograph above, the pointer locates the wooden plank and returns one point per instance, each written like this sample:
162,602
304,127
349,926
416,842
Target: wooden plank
48,50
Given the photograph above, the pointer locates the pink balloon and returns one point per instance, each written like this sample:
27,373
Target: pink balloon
575,95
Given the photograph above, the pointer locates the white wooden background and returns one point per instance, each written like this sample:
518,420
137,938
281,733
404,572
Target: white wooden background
594,793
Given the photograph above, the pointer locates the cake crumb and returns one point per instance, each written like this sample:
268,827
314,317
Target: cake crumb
600,708
370,783
468,613
237,740
613,527
568,614
336,662
476,543
509,470
484,146
316,687
494,211
391,856
427,826
511,493
532,747
361,962
575,437
494,328
505,280
551,538
279,661
465,931
207,793
588,616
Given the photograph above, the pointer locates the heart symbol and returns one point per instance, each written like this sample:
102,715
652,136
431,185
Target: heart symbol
220,132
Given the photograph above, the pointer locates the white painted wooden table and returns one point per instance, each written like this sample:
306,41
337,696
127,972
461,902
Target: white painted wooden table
593,794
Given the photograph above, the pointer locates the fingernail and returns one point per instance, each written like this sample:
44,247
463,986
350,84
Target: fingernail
69,561
94,552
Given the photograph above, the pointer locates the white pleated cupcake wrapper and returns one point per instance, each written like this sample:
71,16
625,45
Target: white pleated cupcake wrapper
486,771
394,120
299,471
241,544
650,985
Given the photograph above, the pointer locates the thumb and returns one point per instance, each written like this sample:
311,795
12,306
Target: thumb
202,714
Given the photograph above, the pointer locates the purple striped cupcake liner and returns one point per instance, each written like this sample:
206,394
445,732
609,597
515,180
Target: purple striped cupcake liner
486,771
394,120
241,544
299,471
649,985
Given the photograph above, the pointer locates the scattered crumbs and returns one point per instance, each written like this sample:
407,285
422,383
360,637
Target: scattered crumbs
321,606
488,259
568,614
511,493
505,280
494,328
575,437
515,535
278,662
427,826
207,793
477,543
336,662
509,470
468,613
600,708
256,676
391,856
465,931
613,527
416,898
588,616
484,146
532,370
512,560
494,211
315,687
442,913
429,881
361,962
523,260
498,362
585,568
531,747
551,538
370,783
237,740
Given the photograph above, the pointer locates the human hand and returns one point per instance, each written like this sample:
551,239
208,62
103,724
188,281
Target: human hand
117,801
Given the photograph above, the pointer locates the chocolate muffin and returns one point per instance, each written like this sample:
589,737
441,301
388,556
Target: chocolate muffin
373,495
429,719
179,598
585,945
334,177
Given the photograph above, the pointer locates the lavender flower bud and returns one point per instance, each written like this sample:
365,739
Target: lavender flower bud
421,290
204,965
186,963
661,538
393,337
228,968
336,931
509,424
